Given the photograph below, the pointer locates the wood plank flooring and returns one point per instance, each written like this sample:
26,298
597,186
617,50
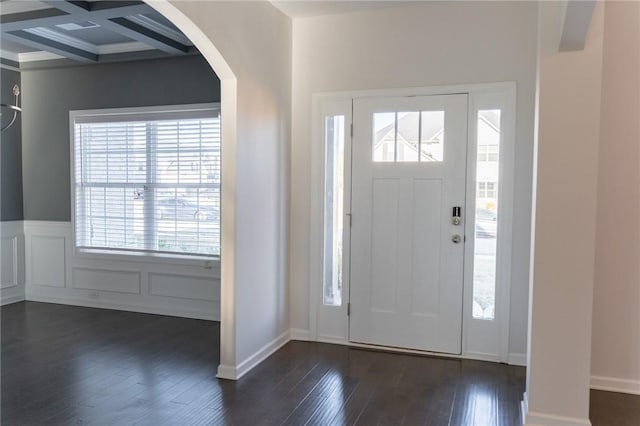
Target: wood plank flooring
64,365
614,409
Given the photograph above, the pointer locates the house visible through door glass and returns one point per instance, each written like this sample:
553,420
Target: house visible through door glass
486,220
408,136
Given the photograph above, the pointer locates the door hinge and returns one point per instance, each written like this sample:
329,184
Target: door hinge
349,309
351,131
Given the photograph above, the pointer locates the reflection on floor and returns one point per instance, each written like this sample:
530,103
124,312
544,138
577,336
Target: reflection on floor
71,365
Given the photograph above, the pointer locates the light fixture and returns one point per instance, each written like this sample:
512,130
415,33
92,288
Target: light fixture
12,109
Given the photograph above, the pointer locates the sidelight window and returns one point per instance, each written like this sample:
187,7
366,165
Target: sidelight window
486,215
334,135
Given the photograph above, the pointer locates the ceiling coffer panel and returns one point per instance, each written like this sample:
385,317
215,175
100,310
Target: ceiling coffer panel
86,31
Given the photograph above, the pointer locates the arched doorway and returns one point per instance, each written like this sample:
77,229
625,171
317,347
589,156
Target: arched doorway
228,89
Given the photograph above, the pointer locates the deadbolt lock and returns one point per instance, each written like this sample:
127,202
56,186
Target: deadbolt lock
456,238
456,215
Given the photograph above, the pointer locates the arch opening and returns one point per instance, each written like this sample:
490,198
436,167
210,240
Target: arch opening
228,107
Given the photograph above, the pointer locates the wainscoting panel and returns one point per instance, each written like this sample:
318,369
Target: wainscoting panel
11,262
9,259
47,260
56,273
106,280
195,288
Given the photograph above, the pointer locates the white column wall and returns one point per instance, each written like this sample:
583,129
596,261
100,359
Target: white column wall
616,314
566,172
254,40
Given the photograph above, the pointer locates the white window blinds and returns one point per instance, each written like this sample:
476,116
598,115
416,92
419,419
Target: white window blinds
148,181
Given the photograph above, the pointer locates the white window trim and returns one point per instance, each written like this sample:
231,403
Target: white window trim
481,337
330,324
133,113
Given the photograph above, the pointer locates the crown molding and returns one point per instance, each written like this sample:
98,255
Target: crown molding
9,55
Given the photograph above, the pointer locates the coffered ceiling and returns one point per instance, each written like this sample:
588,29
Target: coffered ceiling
86,31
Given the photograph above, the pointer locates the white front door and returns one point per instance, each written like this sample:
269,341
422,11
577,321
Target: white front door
408,174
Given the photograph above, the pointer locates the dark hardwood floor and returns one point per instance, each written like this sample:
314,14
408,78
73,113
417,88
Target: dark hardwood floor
64,365
614,409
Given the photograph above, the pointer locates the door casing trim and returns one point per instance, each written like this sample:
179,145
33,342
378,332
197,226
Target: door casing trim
331,323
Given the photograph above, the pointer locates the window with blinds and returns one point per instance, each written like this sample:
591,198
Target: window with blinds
148,180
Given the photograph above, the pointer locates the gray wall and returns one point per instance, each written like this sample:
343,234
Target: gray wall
10,153
50,94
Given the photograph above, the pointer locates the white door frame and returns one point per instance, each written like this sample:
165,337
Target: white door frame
481,339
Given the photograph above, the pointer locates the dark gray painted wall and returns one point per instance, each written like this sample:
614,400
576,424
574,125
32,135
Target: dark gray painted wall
10,153
50,94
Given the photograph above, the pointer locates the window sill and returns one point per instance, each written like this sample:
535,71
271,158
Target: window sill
206,262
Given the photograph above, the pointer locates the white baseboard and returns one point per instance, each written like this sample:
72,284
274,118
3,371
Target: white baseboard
129,307
530,418
517,359
614,384
540,419
299,334
227,372
235,373
524,407
334,340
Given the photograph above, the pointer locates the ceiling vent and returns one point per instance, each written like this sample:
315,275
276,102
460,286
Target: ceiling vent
73,26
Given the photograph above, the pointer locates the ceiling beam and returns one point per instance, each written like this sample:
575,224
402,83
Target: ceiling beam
143,34
575,27
101,14
101,9
33,19
58,15
43,43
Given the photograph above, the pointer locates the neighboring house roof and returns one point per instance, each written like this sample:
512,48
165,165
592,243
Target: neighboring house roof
431,129
492,118
409,132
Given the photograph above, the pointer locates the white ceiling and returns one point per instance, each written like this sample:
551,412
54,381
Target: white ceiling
292,8
309,8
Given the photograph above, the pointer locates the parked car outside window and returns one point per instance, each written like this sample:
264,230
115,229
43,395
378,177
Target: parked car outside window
183,209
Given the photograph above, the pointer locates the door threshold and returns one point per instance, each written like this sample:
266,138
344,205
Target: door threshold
418,352
397,349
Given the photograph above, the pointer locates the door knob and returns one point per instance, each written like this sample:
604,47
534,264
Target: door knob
456,238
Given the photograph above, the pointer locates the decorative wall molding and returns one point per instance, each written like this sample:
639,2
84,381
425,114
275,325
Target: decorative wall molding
194,288
46,260
9,268
56,273
11,262
102,279
615,384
